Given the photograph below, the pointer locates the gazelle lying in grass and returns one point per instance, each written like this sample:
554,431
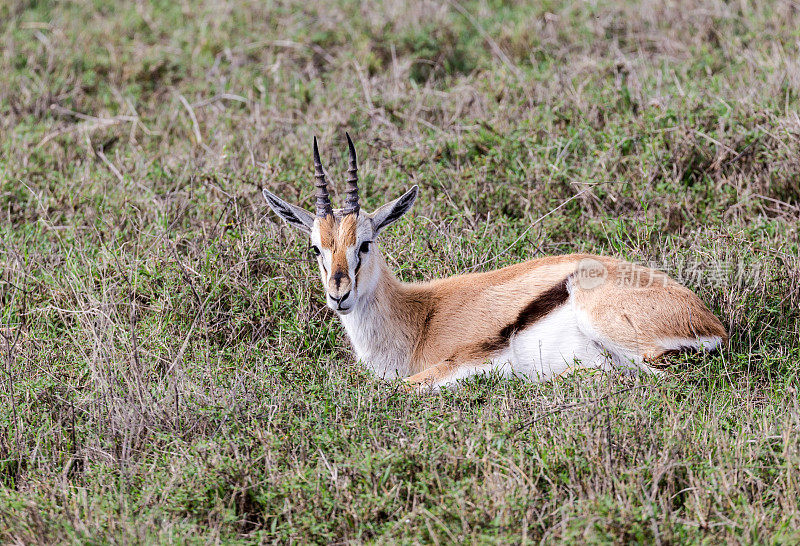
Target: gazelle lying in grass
537,319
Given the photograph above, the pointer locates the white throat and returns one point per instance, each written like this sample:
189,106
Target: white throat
380,339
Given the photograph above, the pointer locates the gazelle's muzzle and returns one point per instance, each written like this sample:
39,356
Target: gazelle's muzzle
339,291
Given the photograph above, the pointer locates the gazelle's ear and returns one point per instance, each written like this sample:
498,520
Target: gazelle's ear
294,216
391,212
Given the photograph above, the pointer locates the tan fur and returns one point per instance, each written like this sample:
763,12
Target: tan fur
451,318
468,307
327,230
638,307
338,232
337,235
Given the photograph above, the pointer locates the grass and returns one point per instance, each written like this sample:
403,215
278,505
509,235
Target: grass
170,371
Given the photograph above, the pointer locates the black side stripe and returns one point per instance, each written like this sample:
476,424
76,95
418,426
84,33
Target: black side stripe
536,310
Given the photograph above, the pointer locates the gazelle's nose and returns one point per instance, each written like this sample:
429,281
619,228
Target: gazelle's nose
337,277
339,282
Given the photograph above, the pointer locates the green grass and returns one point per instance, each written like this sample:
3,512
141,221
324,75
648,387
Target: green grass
170,371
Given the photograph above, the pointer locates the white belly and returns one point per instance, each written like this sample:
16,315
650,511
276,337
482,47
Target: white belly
561,341
553,345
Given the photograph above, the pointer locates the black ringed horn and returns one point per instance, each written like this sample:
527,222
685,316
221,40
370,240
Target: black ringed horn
324,207
351,205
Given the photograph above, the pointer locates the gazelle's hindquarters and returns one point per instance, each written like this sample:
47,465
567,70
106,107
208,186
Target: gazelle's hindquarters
644,314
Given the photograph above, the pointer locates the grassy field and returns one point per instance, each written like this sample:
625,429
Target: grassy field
170,372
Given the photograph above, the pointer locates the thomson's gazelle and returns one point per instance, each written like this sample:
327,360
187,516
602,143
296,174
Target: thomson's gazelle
536,319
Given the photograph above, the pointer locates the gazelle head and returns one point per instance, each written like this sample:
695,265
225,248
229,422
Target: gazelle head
342,239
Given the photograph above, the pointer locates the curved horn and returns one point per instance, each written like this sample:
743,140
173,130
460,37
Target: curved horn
351,205
324,207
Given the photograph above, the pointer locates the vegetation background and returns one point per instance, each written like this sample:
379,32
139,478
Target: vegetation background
170,372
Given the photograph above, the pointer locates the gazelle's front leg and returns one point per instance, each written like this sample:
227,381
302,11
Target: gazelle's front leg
431,377
446,373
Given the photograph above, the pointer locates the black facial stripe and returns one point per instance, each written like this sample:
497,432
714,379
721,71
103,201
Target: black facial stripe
358,254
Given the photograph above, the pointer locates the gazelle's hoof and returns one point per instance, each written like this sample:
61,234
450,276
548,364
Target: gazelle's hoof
419,387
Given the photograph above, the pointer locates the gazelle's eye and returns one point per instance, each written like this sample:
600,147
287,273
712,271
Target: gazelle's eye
315,250
364,247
